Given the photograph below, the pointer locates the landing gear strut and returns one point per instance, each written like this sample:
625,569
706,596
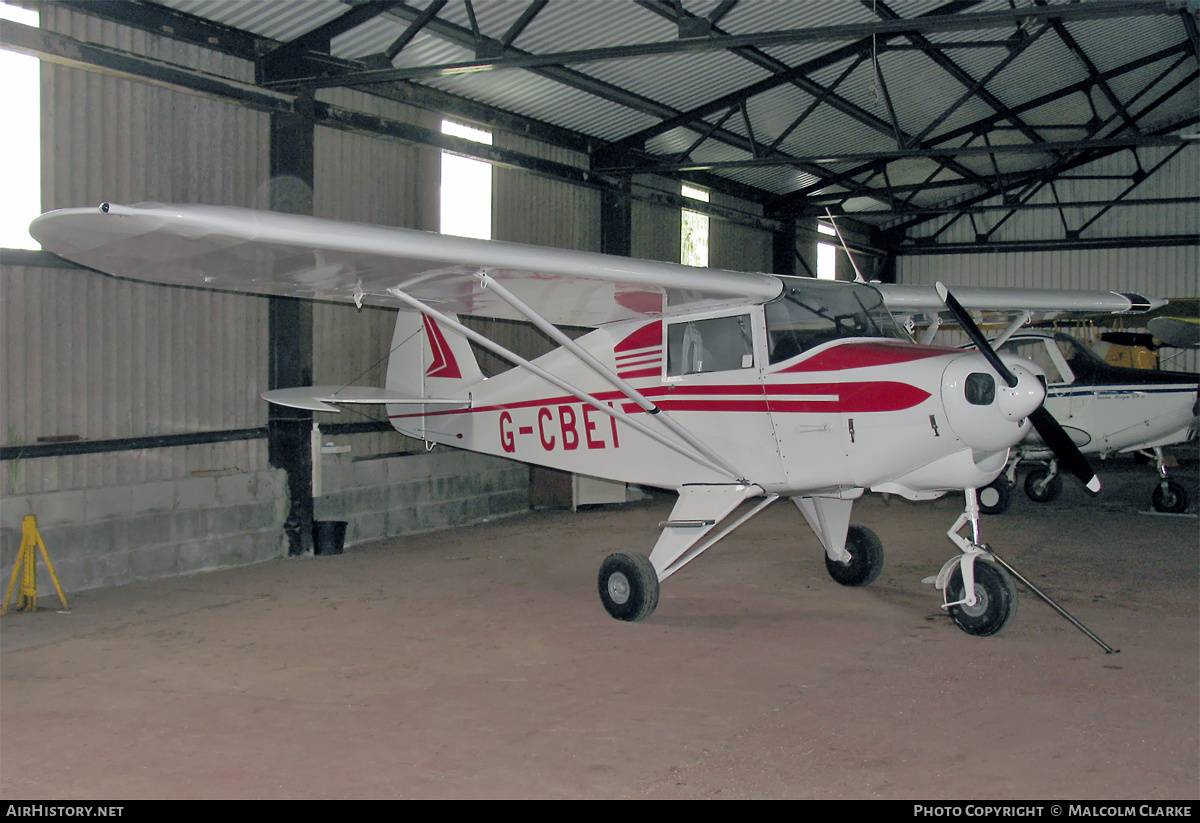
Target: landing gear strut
979,596
978,588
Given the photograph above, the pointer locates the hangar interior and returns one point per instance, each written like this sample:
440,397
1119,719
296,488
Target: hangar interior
980,143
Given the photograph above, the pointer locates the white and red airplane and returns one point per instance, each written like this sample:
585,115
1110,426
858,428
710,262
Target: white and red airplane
729,388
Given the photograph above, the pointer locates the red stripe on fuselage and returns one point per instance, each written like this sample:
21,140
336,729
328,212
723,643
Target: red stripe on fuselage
645,337
836,398
866,355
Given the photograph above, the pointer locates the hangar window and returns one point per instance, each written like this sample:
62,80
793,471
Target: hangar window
20,100
466,191
693,249
826,255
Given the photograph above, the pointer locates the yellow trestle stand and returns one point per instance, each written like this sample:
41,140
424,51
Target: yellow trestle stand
26,566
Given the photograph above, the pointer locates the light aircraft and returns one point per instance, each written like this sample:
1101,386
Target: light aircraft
1105,409
733,389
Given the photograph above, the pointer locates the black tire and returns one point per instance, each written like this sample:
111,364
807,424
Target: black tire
995,497
1171,500
628,586
866,559
1039,493
997,600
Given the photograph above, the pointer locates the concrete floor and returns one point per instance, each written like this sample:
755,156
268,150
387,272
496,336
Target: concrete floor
479,663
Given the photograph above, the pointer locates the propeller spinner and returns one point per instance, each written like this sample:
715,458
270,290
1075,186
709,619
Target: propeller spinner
1048,428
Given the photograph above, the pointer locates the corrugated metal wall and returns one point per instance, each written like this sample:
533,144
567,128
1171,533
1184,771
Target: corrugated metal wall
107,138
101,358
529,208
656,228
736,246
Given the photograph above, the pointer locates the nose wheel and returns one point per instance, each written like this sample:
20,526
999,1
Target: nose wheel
1169,496
995,600
980,597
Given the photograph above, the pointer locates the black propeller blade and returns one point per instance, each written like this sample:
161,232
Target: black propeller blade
1047,427
968,325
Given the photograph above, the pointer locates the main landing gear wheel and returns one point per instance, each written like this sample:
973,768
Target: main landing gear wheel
1041,487
628,586
866,559
995,497
996,600
1171,500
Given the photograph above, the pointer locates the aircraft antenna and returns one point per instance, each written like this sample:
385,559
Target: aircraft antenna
857,274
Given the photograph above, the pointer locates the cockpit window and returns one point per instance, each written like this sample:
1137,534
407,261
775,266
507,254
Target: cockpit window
1036,349
712,344
810,312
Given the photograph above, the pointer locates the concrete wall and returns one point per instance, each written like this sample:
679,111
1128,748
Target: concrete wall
112,535
410,493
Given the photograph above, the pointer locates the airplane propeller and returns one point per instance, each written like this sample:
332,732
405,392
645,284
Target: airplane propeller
1050,430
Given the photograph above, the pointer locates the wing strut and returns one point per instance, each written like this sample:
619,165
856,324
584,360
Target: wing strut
553,379
604,372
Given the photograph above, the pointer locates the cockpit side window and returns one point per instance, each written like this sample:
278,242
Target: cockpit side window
709,345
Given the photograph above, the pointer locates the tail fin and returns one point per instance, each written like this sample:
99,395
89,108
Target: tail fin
428,360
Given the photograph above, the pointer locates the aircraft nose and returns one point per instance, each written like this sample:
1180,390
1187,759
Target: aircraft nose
1019,401
983,410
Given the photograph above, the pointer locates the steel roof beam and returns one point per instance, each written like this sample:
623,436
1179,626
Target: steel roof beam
1093,72
1034,179
521,23
990,122
994,247
167,22
1045,147
67,51
582,82
294,57
783,74
976,88
935,21
414,28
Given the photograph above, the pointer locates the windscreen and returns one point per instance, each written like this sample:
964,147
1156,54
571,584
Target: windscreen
812,312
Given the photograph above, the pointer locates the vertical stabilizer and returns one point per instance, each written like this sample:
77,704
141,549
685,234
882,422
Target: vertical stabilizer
427,360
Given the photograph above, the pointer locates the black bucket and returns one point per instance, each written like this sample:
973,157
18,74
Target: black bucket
328,537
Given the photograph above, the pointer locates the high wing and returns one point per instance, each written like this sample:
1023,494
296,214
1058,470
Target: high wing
922,303
270,253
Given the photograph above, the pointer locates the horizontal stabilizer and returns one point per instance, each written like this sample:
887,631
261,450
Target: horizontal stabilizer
319,398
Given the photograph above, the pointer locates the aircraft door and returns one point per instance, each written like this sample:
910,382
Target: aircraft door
808,428
712,384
